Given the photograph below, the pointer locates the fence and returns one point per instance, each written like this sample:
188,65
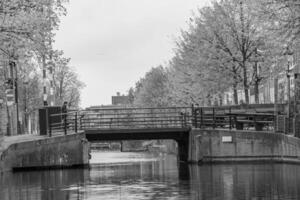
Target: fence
166,117
226,117
130,118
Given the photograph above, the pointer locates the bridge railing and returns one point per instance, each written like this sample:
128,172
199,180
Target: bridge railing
63,122
131,118
228,118
166,117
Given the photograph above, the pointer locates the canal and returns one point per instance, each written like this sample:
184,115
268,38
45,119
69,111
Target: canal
115,175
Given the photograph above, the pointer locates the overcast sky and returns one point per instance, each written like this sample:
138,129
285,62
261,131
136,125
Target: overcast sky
113,43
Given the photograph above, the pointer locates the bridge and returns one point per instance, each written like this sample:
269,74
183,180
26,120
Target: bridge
158,120
175,123
203,134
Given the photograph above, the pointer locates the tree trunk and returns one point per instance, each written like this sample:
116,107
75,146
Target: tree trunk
235,95
256,84
245,83
256,79
235,84
243,51
256,92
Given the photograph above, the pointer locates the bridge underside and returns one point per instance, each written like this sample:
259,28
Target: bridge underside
137,134
180,135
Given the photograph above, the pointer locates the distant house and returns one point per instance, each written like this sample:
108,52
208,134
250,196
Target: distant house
120,99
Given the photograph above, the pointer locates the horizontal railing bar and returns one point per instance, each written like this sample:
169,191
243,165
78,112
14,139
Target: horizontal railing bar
126,119
130,114
142,108
132,127
130,121
62,114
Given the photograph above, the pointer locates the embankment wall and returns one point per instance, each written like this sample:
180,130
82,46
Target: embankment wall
55,152
210,146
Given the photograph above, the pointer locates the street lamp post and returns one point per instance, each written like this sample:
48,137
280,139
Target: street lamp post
289,54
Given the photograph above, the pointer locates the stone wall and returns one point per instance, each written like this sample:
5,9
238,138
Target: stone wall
56,152
229,146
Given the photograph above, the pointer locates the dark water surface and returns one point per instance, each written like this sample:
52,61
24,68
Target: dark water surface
148,176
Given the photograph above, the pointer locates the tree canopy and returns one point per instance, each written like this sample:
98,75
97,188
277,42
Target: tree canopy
230,46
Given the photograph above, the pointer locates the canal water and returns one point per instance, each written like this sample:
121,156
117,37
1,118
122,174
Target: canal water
115,175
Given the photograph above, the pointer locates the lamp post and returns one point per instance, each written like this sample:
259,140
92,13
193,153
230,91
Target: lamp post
289,55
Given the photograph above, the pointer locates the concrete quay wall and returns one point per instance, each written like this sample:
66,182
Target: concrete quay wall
42,153
213,146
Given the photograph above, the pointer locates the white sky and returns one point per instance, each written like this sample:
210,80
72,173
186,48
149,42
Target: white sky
113,43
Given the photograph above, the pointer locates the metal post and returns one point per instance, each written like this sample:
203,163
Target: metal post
201,117
214,119
193,116
255,123
65,124
47,122
230,122
49,125
181,118
80,121
76,122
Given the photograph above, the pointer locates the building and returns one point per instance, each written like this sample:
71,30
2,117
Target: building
120,99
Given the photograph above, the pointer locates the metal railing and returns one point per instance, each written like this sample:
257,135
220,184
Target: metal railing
226,117
62,123
166,117
134,118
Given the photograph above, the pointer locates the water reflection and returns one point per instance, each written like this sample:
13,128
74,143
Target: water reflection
40,185
146,176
